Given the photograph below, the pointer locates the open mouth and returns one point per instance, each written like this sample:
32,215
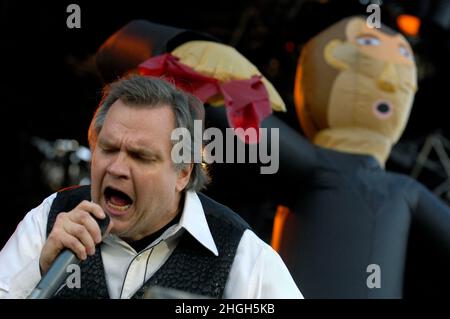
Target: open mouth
117,199
382,109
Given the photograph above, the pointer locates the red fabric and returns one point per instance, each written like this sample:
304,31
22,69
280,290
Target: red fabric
247,104
246,101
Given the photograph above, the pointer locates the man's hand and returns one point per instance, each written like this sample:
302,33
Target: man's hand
76,230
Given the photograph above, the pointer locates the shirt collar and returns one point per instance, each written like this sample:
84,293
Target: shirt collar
194,221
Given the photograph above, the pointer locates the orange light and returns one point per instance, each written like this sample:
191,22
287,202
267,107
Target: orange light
303,115
278,226
408,24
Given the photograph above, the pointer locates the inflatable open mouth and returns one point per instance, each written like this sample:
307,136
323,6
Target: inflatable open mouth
382,109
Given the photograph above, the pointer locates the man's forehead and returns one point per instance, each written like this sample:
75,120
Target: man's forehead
140,113
142,144
141,124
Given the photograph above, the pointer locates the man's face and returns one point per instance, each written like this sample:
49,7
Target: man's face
376,89
133,177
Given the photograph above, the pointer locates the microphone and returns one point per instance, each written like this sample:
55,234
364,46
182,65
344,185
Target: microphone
57,273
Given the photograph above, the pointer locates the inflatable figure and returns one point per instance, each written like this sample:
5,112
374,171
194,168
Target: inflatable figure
347,233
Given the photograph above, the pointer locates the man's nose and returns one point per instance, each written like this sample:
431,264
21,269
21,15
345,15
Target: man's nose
119,167
388,79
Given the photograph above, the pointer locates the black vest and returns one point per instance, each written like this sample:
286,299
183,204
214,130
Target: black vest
191,267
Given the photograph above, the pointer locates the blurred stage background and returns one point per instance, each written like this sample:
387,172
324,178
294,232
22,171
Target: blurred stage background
50,86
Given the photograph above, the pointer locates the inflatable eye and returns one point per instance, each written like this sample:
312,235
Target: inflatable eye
405,52
368,40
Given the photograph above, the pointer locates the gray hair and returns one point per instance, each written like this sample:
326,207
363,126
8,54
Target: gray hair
146,91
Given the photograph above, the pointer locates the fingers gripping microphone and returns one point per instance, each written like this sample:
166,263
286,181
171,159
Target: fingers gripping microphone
57,273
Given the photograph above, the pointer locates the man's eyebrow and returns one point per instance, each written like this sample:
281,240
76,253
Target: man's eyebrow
105,142
138,150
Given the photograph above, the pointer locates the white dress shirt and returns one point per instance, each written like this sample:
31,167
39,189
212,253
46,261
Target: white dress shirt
257,270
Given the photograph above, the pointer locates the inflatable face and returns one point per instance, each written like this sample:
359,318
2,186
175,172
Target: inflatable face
355,86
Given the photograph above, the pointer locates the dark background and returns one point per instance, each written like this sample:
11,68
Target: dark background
50,87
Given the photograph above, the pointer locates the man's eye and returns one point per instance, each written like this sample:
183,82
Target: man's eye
405,52
368,40
141,158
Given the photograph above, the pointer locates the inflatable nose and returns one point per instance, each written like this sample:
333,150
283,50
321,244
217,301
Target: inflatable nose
388,79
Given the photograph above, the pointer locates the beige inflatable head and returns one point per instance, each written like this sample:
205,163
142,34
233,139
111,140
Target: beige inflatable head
354,88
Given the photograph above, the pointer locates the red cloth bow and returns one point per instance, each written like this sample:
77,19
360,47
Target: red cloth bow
247,101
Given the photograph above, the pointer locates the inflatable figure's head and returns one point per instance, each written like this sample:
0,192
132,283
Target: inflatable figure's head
355,86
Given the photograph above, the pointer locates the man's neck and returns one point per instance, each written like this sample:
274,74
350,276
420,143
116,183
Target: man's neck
144,242
168,220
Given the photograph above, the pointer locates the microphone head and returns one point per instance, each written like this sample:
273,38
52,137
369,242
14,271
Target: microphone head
103,223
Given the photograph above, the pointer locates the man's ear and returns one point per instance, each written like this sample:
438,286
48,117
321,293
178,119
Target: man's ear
184,175
333,53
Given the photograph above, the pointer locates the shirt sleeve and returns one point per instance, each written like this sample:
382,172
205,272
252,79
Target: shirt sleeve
258,272
19,258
